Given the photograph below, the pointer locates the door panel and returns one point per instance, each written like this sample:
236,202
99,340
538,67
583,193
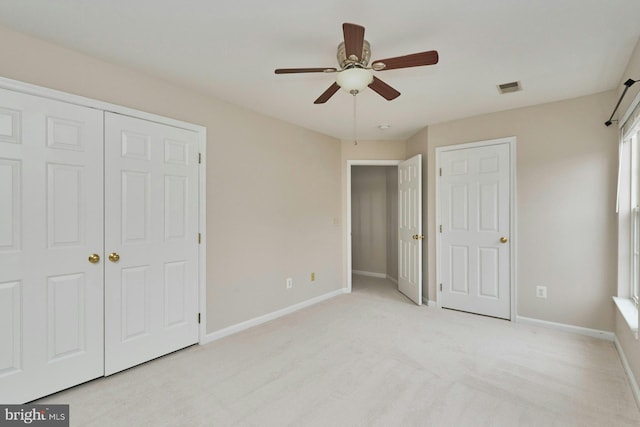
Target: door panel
459,269
488,276
10,216
135,206
152,223
65,207
474,191
51,297
10,333
66,310
134,294
410,228
176,291
175,207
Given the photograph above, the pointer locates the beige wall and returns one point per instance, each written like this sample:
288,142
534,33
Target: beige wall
392,221
369,219
631,72
273,189
373,150
630,345
566,181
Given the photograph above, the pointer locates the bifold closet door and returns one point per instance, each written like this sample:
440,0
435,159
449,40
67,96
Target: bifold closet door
151,240
51,283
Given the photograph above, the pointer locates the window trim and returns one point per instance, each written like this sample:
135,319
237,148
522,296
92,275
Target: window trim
628,209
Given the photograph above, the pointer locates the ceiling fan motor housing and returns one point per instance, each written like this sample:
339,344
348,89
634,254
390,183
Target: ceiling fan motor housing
362,62
355,74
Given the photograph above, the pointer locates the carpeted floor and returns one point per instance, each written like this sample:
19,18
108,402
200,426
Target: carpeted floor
370,358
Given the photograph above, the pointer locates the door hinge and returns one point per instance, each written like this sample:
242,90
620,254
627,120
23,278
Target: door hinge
198,318
441,228
199,238
440,171
440,287
199,157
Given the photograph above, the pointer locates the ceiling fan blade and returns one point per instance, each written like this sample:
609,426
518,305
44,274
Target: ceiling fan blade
327,94
406,61
353,39
383,89
305,70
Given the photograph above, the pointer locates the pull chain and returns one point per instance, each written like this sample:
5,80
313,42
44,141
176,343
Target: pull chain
355,139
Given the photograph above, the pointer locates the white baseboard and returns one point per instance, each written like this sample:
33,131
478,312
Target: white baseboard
595,333
393,279
429,303
627,369
369,273
238,327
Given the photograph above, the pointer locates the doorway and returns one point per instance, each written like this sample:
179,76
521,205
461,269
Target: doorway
407,222
374,221
351,166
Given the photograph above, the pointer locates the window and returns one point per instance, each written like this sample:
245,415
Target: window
634,142
628,208
635,268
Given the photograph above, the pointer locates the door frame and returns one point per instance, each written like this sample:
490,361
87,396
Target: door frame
348,242
201,131
511,141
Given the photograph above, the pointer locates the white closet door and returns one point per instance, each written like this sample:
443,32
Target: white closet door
151,211
51,296
474,201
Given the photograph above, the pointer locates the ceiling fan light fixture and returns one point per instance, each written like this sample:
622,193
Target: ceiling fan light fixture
354,80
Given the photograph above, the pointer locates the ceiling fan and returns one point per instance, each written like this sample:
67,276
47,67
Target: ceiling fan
354,74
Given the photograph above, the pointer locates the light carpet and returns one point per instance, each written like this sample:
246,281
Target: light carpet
370,358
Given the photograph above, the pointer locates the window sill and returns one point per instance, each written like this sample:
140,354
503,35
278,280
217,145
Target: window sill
629,312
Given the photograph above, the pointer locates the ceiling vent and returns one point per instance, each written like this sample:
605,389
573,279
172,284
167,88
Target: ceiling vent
509,87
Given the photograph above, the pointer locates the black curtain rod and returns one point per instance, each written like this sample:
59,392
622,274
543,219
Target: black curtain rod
627,85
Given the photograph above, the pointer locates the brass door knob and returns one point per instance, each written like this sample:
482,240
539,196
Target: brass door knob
93,258
503,240
114,257
414,237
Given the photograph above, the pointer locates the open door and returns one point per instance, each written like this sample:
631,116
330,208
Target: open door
410,228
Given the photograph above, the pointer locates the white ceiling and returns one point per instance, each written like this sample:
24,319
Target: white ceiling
558,49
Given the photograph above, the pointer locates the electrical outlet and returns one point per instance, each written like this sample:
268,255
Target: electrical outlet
313,277
289,283
541,291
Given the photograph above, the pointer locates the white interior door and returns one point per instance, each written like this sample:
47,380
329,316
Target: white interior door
474,191
51,206
410,228
151,211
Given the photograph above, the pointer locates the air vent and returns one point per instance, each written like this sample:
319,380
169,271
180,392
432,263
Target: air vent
509,87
